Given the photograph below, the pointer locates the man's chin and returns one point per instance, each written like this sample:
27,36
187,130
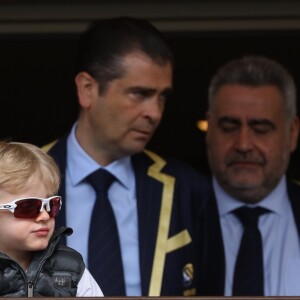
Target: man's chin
134,148
245,184
246,191
245,177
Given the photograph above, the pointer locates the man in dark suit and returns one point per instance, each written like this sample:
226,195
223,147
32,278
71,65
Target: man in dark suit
252,130
123,79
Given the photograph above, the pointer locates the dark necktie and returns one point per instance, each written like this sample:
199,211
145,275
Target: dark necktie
104,253
248,277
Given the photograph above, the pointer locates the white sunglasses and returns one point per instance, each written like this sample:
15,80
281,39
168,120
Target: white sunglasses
31,207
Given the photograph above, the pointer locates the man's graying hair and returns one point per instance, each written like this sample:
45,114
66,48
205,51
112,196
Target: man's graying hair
105,43
256,71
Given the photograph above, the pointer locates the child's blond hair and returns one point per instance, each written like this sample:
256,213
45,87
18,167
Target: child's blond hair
23,164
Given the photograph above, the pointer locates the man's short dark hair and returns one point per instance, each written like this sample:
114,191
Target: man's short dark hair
105,43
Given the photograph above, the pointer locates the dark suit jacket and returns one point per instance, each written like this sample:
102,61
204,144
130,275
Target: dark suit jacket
168,194
210,244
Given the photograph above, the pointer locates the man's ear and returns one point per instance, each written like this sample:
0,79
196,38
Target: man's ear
87,89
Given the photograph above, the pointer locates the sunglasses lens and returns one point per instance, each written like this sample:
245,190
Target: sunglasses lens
54,207
28,208
31,208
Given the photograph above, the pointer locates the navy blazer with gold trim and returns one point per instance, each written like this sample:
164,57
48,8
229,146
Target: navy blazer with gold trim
168,196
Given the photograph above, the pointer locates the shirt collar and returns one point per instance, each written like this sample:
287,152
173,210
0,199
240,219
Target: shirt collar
80,164
275,201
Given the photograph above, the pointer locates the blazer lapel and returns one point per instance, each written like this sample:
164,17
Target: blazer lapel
211,248
148,193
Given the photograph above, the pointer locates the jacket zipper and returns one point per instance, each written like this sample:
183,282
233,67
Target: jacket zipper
30,283
30,289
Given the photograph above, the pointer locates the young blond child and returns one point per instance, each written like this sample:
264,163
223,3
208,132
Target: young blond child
32,263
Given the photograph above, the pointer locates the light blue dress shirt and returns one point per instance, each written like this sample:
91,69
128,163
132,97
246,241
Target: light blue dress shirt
80,201
280,241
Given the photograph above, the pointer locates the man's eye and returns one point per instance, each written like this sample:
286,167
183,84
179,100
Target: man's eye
262,129
229,127
139,94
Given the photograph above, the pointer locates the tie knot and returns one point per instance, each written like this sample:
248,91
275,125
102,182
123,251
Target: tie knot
100,180
249,216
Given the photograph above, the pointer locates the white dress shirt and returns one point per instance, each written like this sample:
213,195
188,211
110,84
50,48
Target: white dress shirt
80,201
281,249
88,287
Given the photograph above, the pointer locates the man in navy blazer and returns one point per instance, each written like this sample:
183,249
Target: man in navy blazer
123,79
252,130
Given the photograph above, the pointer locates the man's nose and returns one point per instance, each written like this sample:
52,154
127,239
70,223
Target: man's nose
244,140
154,109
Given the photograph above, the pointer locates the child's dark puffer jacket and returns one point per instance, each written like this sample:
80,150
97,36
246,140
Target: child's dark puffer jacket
54,272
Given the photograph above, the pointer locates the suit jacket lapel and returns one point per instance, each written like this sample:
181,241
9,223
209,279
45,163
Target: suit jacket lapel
148,193
211,248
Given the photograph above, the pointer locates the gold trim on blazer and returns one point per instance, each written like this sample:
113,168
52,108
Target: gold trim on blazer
47,147
164,244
